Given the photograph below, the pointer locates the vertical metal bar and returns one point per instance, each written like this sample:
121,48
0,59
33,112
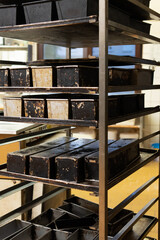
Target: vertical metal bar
103,119
68,56
68,53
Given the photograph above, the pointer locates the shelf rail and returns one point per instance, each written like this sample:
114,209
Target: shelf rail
27,136
18,211
130,198
16,188
134,220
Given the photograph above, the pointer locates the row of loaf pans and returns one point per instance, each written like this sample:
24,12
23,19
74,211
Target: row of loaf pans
72,76
75,219
47,10
71,106
77,160
145,2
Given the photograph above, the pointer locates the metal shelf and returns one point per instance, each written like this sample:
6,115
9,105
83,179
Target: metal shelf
83,123
136,8
140,229
146,157
80,32
70,122
90,90
7,62
142,113
131,6
113,60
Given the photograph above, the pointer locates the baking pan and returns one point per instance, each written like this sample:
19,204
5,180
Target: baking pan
34,232
40,11
76,8
43,164
70,166
4,77
77,76
130,103
44,77
119,76
113,106
35,107
11,229
119,221
140,99
115,164
58,109
8,15
61,235
76,210
12,107
75,223
145,2
19,161
140,26
21,77
120,16
142,77
84,203
84,109
131,153
47,217
61,108
83,234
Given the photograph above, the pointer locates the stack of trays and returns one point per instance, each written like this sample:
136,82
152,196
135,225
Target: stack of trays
72,159
71,106
76,219
31,11
72,76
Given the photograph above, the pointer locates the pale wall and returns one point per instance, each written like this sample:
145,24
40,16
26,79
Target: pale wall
152,98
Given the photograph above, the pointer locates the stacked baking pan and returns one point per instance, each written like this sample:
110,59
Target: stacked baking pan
75,219
33,11
72,159
72,76
71,106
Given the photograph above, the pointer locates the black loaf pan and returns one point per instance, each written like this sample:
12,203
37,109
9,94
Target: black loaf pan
84,203
34,232
83,234
40,11
11,229
76,210
47,217
11,15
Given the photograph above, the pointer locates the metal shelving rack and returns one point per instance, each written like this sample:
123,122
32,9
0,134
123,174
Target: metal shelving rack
89,32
